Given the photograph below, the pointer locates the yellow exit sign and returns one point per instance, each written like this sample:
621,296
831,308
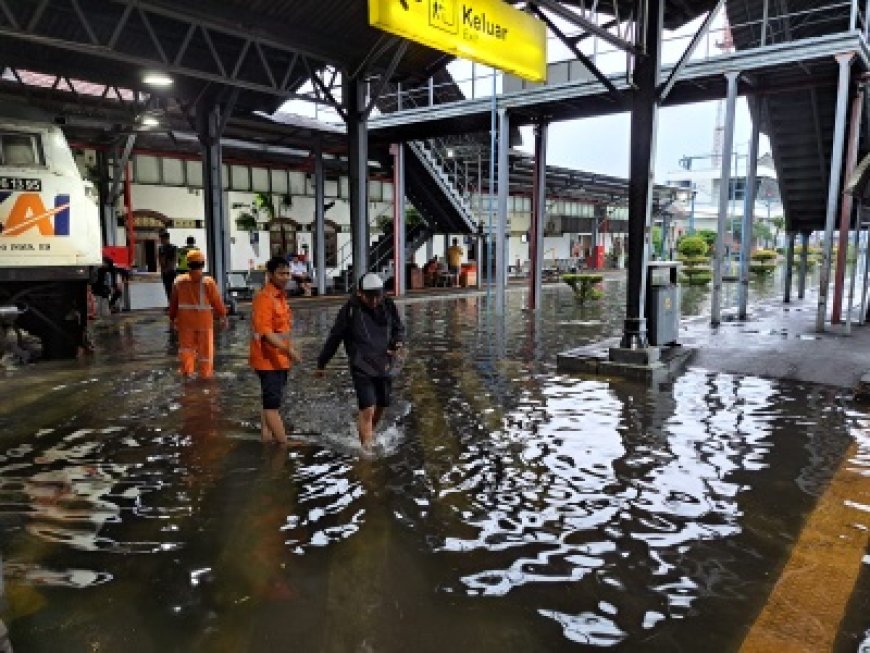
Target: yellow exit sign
487,31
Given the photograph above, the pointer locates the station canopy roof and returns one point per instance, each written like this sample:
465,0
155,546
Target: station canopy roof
83,63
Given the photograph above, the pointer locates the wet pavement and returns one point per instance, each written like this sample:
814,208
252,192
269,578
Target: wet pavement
509,508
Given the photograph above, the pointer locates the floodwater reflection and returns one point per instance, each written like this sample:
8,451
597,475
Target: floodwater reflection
511,508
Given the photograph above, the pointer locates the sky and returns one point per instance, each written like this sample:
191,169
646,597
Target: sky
603,144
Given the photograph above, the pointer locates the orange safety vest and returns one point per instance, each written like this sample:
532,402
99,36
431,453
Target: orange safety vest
192,303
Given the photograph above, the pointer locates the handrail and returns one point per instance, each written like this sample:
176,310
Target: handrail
850,14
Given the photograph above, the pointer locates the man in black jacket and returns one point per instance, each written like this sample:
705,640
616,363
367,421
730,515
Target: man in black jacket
373,335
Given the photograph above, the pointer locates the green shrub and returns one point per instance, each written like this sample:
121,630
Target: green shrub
764,255
693,247
762,269
696,276
585,286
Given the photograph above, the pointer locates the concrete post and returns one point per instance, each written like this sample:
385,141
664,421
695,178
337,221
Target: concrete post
844,61
724,188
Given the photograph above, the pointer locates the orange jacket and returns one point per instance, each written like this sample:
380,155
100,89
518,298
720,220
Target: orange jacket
269,314
192,303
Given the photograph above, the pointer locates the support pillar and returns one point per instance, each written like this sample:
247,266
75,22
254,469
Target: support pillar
108,221
865,226
398,151
747,224
857,243
501,217
789,266
209,127
319,220
354,95
844,61
430,248
724,192
846,205
802,271
644,125
539,207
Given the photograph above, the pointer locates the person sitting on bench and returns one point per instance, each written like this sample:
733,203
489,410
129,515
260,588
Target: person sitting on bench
299,274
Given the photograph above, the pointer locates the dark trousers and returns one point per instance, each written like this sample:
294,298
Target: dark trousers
168,279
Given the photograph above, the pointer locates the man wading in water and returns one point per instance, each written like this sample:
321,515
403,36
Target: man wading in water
373,336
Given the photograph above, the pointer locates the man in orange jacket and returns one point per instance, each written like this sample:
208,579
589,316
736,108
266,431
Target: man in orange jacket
272,351
194,301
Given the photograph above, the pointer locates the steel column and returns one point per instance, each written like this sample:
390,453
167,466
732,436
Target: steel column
789,265
108,221
501,218
846,204
644,125
750,189
802,271
724,192
844,61
399,283
862,317
853,275
319,219
209,122
539,208
354,97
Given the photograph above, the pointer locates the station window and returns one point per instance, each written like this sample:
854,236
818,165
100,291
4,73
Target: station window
20,150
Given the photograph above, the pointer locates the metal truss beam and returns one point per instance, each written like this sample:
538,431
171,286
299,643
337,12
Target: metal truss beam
571,44
581,21
245,59
690,50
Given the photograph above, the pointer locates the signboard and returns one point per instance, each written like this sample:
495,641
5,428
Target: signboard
490,32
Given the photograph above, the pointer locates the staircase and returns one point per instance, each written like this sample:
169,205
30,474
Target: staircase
381,254
799,122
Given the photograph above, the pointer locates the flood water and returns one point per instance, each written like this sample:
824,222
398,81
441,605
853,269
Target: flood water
509,508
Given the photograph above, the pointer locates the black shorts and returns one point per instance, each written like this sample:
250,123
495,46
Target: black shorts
372,391
272,382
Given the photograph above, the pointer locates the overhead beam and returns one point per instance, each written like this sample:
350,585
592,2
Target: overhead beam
252,67
580,21
690,50
571,44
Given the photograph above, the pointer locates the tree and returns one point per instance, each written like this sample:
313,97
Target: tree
778,222
708,235
761,232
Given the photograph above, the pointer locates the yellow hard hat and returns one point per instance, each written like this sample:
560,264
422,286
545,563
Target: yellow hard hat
195,256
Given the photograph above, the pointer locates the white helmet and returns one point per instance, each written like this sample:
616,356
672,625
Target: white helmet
371,282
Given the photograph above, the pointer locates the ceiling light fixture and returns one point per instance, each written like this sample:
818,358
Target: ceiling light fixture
161,80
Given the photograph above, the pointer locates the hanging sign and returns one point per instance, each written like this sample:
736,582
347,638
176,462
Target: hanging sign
490,32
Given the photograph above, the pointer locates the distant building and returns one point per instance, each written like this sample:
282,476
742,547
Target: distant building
705,181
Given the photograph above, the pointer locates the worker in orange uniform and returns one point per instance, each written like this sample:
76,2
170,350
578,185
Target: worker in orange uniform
272,351
194,302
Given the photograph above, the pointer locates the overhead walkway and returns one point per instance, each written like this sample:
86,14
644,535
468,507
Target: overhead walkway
799,120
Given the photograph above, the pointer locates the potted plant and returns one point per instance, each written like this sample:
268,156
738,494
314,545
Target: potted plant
585,286
696,264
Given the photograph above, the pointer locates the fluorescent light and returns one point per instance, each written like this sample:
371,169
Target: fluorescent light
150,121
157,79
